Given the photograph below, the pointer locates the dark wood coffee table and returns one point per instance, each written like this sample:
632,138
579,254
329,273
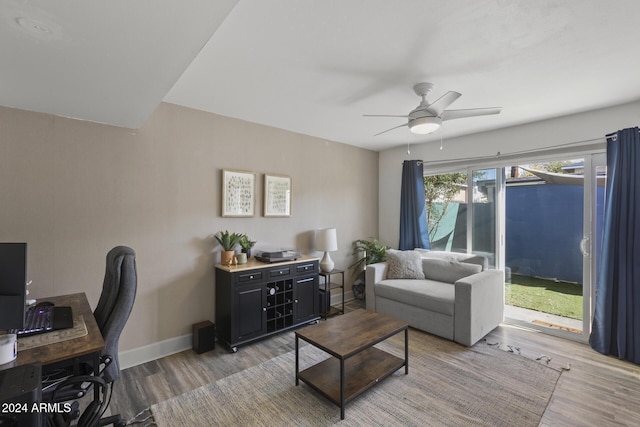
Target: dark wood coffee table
356,365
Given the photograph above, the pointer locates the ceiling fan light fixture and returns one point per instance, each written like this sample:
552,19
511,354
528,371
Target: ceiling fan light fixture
425,125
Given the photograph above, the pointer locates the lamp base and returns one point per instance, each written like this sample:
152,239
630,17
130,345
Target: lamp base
326,264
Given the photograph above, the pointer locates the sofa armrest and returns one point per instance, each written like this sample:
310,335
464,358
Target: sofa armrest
479,305
373,274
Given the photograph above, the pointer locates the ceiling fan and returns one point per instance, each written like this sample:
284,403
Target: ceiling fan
427,118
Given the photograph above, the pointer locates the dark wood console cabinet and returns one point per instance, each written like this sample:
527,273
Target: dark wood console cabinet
257,299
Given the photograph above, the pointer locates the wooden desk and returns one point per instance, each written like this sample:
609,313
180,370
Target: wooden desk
92,343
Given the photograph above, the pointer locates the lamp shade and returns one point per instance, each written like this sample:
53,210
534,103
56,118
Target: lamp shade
326,239
425,125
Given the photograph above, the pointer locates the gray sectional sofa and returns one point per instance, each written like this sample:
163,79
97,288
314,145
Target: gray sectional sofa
448,294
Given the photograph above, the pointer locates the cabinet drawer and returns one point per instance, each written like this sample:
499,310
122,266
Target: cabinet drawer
306,268
250,277
280,272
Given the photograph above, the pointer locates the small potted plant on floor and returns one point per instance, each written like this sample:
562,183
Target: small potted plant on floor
228,241
367,252
246,244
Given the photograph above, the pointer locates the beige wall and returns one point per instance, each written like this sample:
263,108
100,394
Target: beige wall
74,189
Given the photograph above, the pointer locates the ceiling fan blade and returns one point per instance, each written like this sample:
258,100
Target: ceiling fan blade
440,104
471,112
395,127
382,115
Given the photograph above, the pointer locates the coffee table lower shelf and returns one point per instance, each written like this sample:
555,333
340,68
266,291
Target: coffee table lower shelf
361,372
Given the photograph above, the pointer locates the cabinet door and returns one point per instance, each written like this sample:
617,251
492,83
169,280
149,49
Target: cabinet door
306,298
250,314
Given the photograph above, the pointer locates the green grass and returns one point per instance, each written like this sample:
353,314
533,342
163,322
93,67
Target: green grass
559,298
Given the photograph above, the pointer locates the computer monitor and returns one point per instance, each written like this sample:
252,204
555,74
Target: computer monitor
13,285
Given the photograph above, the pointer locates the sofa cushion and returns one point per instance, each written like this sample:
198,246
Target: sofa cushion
447,271
404,265
446,255
482,261
455,256
427,294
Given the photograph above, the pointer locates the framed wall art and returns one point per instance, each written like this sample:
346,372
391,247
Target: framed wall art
277,196
238,193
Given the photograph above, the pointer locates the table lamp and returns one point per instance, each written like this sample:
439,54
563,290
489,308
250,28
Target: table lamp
326,240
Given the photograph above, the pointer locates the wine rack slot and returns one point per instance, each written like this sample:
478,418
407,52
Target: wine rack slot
279,304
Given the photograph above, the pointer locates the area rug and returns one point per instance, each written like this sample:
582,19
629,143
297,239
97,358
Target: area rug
447,385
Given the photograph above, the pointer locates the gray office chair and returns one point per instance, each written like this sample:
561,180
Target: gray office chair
111,314
116,303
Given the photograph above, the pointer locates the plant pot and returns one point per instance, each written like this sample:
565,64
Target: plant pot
226,257
248,252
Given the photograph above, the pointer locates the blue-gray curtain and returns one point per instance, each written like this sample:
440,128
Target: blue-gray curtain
616,321
413,212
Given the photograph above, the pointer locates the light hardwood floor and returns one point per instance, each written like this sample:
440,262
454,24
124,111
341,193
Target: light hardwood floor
597,390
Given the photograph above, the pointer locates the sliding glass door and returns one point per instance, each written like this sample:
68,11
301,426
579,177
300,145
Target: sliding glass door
552,217
541,224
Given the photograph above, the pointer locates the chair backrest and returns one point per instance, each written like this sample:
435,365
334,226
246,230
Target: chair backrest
116,303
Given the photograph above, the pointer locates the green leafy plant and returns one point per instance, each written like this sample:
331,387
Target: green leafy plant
373,252
246,243
227,240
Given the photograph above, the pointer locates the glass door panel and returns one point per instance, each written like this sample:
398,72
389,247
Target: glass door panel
547,258
446,200
593,234
484,214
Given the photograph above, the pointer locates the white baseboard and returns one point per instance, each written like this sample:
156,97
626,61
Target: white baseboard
157,350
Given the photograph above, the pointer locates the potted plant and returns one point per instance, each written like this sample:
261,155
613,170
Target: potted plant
228,241
367,252
246,244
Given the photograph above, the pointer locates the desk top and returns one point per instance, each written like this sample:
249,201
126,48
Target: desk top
64,350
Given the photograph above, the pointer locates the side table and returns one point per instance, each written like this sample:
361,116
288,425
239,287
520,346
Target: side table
326,284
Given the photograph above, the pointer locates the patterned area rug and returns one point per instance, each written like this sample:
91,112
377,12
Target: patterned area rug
447,385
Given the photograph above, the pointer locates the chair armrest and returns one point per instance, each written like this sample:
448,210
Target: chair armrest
479,305
373,274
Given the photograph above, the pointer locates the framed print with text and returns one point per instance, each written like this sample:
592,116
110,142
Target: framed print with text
238,193
277,196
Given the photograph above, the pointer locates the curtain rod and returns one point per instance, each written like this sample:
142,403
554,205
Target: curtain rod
614,135
513,153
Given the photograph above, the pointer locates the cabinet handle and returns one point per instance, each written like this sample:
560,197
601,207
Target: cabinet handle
296,301
310,279
264,308
250,277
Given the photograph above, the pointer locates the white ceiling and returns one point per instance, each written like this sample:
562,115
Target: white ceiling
316,67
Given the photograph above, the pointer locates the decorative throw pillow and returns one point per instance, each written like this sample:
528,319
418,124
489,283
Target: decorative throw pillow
404,265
